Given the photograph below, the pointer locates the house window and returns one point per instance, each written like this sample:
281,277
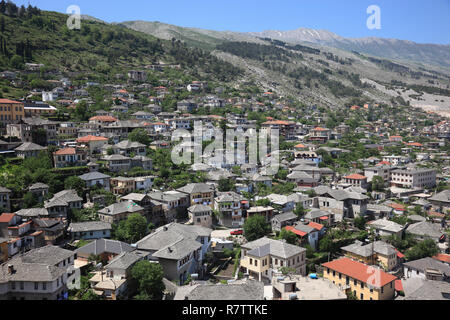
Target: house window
256,263
36,286
362,296
21,285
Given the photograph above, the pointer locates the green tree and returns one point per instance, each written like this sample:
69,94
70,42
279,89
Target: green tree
225,185
149,277
299,210
29,200
139,135
256,227
289,236
74,183
423,249
360,223
133,229
378,183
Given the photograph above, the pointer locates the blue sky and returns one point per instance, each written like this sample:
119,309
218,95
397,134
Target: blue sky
416,20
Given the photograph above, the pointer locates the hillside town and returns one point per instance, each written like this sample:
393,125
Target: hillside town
93,206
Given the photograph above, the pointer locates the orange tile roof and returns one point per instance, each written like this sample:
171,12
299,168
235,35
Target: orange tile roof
320,129
65,151
382,163
316,226
442,257
91,138
356,176
103,119
398,285
7,101
278,122
397,206
297,232
6,217
399,254
360,271
415,144
300,146
436,214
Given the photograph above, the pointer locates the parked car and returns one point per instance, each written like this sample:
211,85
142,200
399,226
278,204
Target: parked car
237,232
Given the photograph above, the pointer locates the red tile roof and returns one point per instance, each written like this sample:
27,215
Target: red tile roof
435,214
382,163
356,176
7,101
6,217
278,122
396,206
65,151
297,232
415,144
360,271
399,254
442,257
320,129
91,138
398,285
103,119
316,226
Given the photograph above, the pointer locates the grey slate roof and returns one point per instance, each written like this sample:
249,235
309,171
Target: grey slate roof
250,290
314,214
199,208
89,226
121,207
425,229
29,146
4,190
30,272
126,259
196,188
443,196
49,255
429,263
285,216
32,212
93,176
428,290
277,248
105,245
63,198
172,240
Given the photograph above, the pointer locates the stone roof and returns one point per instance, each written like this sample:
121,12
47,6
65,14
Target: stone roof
126,259
29,146
50,255
199,208
277,248
249,290
32,272
32,212
285,216
428,263
443,196
121,207
425,229
93,176
172,240
196,188
100,246
63,198
89,226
